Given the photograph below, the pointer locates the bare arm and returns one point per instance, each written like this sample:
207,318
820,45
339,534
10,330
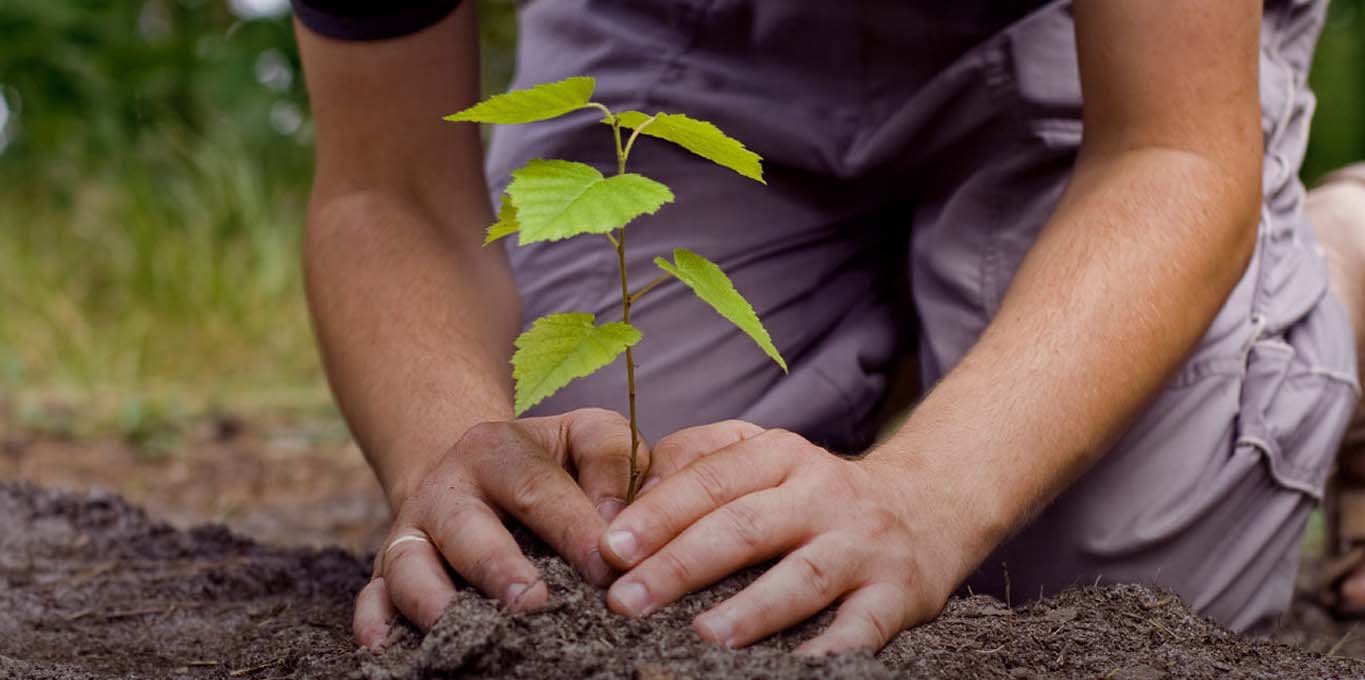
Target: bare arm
416,321
1150,237
1152,233
414,318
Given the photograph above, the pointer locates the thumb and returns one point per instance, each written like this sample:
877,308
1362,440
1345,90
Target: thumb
599,445
678,450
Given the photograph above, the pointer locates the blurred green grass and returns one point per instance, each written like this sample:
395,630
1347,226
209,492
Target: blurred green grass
1338,78
154,163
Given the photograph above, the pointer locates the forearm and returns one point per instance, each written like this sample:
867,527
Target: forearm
1152,233
1135,263
415,319
415,331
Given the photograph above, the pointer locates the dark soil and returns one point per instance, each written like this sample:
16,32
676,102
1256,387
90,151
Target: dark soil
90,587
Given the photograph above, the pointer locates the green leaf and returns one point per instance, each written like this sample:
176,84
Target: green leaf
558,199
561,347
506,224
715,288
699,137
547,100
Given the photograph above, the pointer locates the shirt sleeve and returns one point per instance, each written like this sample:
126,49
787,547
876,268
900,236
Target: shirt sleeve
369,20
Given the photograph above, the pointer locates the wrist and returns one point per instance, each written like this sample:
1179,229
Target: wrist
401,476
964,517
404,466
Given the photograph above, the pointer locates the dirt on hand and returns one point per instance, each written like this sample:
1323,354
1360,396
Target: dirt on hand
91,587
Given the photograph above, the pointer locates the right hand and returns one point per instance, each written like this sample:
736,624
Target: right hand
519,468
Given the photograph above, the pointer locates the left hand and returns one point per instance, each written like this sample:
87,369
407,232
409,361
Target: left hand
726,496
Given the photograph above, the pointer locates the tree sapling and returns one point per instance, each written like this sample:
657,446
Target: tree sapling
550,200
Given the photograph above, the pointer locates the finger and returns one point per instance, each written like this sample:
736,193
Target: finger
374,614
867,620
599,444
801,585
703,486
677,450
541,495
479,548
415,578
738,534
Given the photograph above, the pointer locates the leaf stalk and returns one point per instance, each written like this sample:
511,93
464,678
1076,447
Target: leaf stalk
635,297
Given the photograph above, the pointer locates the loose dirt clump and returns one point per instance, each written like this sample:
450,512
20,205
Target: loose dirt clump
90,587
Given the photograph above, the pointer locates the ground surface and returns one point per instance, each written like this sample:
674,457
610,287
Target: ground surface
92,587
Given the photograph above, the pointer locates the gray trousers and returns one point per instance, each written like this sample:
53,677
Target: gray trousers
913,151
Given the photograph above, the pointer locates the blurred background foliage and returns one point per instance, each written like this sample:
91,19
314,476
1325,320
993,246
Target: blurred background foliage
155,157
154,164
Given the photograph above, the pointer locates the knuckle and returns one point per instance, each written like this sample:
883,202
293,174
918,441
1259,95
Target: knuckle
815,577
675,567
880,522
606,416
711,481
490,570
482,571
782,437
448,523
740,426
840,483
616,456
744,523
428,611
670,446
529,490
880,630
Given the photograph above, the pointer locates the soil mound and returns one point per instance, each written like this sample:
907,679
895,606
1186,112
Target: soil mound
91,587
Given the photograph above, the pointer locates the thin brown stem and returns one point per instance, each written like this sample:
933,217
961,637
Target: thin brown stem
634,484
635,297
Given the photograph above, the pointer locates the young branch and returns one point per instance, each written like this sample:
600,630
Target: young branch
635,297
631,142
635,473
620,241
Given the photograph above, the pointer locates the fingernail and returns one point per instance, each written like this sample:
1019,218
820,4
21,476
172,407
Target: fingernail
718,628
599,573
513,594
622,545
610,508
631,598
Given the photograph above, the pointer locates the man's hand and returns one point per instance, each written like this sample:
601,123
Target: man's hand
519,468
725,496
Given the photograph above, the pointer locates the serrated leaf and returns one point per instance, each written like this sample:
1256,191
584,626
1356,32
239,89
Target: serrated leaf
699,137
562,347
541,102
506,224
558,199
715,288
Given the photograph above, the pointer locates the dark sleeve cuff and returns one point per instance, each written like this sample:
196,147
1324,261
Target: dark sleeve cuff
366,20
